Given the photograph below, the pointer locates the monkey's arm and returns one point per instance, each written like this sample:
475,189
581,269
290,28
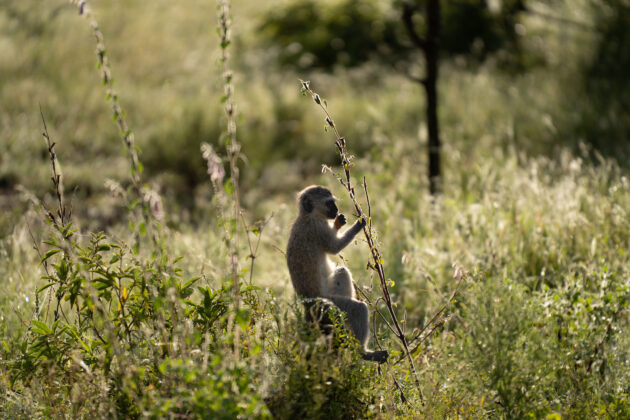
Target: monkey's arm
335,244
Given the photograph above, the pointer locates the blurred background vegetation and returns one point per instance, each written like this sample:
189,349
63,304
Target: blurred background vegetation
533,75
534,117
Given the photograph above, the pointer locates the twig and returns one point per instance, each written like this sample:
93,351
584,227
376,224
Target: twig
45,264
62,222
62,212
377,259
253,249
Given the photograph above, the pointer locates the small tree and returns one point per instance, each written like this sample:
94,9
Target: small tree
352,32
429,46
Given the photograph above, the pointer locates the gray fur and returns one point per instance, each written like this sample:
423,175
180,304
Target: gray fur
341,283
313,238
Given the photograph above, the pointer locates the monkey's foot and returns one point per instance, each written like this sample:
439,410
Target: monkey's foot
379,356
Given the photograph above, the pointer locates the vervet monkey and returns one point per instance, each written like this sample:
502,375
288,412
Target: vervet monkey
313,275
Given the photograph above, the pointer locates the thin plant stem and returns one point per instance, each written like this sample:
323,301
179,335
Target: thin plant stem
125,132
62,212
233,149
61,222
149,200
253,248
377,259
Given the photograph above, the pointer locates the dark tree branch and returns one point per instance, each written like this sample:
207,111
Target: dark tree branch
407,18
419,80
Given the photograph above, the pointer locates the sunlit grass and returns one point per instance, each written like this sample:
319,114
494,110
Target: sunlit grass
535,222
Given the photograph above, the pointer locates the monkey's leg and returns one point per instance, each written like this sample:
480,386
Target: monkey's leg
358,317
340,283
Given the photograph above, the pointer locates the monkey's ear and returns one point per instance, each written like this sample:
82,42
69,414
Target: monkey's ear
307,204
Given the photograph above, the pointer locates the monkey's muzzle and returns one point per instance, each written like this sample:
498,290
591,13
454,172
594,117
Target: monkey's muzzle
332,209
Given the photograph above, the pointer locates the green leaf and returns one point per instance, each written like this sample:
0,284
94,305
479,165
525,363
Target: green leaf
44,287
85,347
242,318
50,254
41,328
190,282
62,270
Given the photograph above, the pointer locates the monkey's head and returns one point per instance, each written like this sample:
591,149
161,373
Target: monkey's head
318,201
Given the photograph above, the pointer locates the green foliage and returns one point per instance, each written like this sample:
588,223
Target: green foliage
219,392
349,33
524,349
312,35
174,154
472,28
135,322
324,377
604,112
113,324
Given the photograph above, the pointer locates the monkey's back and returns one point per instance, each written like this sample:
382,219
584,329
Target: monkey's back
306,259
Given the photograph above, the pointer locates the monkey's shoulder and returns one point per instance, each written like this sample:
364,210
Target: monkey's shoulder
311,230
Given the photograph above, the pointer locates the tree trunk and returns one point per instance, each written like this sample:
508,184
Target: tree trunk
431,55
430,48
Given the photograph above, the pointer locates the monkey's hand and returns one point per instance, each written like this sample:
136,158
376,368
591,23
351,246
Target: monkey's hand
340,221
362,221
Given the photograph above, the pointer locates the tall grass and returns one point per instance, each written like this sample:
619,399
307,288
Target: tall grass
539,244
376,263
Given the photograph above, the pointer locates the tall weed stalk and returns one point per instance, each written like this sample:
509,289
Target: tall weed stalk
227,192
377,264
233,149
149,200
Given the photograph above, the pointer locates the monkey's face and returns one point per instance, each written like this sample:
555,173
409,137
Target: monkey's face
331,208
318,201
